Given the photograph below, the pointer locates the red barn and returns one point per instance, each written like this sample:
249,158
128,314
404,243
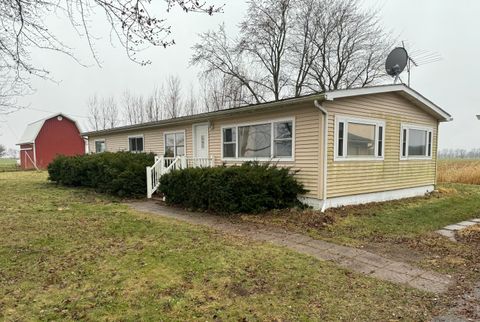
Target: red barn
43,140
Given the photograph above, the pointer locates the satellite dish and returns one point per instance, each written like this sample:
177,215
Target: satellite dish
396,62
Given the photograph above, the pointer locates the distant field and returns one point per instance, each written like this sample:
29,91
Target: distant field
8,165
459,171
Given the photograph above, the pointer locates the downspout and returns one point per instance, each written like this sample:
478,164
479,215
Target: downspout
325,151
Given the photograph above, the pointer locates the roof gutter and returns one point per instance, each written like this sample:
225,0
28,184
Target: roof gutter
204,116
325,151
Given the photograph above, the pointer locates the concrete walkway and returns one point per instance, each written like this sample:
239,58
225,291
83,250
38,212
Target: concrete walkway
350,258
450,230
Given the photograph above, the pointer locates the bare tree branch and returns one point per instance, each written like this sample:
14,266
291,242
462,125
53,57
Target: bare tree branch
293,47
23,28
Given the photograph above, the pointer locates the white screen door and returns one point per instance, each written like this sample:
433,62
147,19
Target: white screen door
201,141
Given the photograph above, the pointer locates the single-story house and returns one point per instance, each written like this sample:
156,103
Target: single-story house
350,146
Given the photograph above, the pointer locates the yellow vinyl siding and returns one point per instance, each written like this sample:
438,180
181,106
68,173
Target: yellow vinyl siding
358,177
307,153
153,139
344,177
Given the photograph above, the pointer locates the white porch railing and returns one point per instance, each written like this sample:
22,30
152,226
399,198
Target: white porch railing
165,165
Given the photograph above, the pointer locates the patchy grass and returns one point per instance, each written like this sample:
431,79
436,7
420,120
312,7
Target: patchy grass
8,164
69,254
402,230
459,171
382,221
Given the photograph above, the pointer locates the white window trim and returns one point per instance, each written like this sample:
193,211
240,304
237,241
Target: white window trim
194,139
95,145
175,143
406,126
137,136
267,121
348,119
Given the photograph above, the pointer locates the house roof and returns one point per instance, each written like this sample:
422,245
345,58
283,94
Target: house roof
401,89
32,129
405,91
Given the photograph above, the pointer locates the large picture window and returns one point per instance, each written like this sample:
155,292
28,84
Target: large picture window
416,142
359,139
174,144
135,144
255,141
269,140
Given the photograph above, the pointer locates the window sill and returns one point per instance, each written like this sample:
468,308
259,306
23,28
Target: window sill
258,159
416,158
358,159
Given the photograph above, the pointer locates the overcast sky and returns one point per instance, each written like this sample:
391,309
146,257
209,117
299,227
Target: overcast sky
448,27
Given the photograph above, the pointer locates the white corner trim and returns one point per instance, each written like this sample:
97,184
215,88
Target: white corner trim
367,197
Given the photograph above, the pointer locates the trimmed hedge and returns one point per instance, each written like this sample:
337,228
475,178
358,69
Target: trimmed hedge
121,174
249,188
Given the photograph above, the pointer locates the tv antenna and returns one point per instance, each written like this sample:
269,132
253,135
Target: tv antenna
399,59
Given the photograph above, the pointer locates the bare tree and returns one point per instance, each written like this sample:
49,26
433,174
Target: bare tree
133,108
94,113
173,97
10,89
153,105
293,47
351,46
134,24
102,113
110,112
217,53
301,51
2,150
220,91
191,102
264,39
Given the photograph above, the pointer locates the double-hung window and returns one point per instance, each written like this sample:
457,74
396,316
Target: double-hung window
135,144
269,140
416,142
229,142
359,139
174,144
100,146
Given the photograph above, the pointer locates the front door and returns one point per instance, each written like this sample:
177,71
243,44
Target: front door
200,143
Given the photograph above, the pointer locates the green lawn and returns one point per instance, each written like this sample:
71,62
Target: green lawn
69,254
403,229
8,164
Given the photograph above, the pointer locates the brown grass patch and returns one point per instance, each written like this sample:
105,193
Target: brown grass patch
459,171
469,235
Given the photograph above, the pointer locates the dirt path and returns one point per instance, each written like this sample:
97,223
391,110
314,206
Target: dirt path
350,258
